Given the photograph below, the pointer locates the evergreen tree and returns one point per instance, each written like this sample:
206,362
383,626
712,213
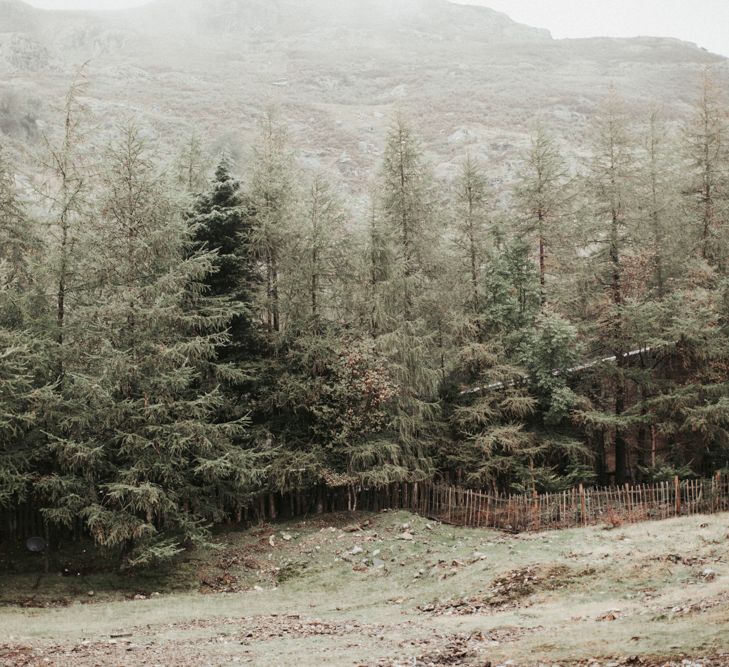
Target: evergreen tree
273,200
491,446
146,463
472,201
24,395
222,222
707,147
542,196
612,189
408,221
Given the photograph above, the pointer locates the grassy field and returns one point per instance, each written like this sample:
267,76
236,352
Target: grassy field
393,589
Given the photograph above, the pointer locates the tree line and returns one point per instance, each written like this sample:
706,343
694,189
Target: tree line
179,342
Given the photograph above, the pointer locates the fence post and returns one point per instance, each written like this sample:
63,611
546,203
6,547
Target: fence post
677,486
583,506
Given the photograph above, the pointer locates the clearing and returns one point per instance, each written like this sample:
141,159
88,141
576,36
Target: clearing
392,589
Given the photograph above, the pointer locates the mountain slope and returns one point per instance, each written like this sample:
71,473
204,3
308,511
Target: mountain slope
469,76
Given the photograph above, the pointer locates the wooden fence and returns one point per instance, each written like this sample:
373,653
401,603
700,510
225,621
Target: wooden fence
578,507
456,505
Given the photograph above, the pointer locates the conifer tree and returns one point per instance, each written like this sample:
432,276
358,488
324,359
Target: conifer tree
273,200
145,463
376,263
660,197
491,446
20,245
408,220
542,196
222,222
612,189
192,165
472,218
319,277
707,147
24,394
67,192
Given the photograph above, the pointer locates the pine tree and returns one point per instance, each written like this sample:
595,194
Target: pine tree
146,463
222,221
707,147
408,220
273,199
542,196
472,202
612,189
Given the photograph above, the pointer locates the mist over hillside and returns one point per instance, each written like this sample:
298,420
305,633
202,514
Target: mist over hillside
468,77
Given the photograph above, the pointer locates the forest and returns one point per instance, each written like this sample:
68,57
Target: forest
186,340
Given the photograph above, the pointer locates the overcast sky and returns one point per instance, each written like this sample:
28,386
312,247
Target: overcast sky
702,21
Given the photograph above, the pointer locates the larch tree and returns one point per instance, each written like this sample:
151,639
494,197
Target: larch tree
322,254
542,196
273,198
192,165
660,203
66,191
376,265
408,210
472,209
707,148
611,183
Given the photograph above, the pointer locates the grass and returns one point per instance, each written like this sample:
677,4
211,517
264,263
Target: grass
326,592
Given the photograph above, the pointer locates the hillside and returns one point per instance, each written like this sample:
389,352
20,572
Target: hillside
468,76
350,590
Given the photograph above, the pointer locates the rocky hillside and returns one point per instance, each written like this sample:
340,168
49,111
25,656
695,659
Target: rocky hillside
470,77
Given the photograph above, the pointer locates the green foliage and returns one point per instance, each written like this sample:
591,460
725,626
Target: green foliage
327,407
223,223
162,370
141,453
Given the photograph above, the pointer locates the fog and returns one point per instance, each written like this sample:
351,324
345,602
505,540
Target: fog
701,21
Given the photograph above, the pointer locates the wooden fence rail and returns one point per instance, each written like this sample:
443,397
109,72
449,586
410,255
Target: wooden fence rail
456,505
577,507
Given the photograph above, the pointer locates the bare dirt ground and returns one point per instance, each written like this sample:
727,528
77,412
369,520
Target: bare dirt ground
393,590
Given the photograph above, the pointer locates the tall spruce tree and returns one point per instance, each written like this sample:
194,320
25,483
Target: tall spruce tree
612,183
145,464
408,212
222,222
24,392
273,199
707,147
542,196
